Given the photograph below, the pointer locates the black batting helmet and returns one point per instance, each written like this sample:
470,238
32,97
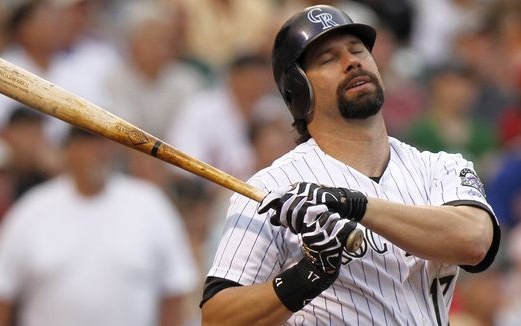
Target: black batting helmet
294,37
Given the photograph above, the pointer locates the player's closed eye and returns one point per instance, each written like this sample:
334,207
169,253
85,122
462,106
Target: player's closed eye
358,49
327,59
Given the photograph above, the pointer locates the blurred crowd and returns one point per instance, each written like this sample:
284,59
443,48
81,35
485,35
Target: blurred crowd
197,74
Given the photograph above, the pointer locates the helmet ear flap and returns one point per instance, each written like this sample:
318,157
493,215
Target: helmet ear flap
298,94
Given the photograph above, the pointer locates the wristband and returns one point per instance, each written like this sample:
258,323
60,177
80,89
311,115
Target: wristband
300,284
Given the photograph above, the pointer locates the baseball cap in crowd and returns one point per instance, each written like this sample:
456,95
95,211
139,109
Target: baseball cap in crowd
17,12
22,114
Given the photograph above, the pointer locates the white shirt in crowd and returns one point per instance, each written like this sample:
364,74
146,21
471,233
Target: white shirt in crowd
212,129
107,260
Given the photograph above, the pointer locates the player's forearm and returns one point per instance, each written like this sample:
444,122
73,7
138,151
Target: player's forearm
245,305
459,235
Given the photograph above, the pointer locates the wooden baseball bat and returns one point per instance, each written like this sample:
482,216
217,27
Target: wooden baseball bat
42,95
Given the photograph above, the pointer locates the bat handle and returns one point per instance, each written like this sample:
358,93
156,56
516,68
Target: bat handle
354,240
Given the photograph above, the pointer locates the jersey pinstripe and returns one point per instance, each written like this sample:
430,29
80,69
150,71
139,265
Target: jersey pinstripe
380,284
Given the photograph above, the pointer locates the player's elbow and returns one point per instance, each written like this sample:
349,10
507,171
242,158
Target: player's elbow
478,242
474,236
474,257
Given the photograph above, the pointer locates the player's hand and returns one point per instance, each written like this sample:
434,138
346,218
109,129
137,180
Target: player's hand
292,202
323,240
323,236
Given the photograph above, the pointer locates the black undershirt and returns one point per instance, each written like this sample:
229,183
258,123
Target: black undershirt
213,285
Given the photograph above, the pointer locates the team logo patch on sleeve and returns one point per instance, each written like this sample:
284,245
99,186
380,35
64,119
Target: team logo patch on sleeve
470,179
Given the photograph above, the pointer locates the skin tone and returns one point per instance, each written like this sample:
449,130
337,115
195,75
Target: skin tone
458,235
328,63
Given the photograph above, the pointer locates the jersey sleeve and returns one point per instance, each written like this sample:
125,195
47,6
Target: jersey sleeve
456,183
455,180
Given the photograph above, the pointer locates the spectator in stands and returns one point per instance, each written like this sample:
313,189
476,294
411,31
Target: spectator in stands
33,158
448,122
32,26
91,247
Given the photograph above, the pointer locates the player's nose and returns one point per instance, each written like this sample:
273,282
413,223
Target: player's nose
351,62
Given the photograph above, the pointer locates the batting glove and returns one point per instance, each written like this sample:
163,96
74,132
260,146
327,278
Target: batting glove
323,240
292,202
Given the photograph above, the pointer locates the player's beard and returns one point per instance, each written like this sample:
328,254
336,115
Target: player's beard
364,104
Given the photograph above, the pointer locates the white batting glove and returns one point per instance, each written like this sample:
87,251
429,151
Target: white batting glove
292,202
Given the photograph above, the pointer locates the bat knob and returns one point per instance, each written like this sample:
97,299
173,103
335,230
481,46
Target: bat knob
354,240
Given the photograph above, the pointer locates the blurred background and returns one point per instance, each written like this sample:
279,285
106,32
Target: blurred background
197,74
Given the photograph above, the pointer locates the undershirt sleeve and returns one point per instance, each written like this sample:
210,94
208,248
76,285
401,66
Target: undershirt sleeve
214,285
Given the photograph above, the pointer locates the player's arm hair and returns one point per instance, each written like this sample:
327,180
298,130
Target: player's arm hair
460,235
245,305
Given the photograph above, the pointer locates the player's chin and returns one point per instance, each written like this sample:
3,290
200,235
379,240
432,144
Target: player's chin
364,106
359,94
359,97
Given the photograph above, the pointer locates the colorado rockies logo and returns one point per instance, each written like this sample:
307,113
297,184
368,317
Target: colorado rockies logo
317,16
470,179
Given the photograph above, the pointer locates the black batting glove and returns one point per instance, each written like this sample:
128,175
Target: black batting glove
292,202
323,239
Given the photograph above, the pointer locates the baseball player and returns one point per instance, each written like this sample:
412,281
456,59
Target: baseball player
424,215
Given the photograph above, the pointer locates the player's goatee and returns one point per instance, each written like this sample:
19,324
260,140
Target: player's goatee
365,104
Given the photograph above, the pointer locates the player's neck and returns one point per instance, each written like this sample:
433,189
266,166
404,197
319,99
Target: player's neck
363,145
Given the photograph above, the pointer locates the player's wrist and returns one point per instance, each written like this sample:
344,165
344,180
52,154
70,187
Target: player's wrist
301,283
354,204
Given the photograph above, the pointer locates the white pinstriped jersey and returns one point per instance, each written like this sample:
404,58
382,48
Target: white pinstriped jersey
381,284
